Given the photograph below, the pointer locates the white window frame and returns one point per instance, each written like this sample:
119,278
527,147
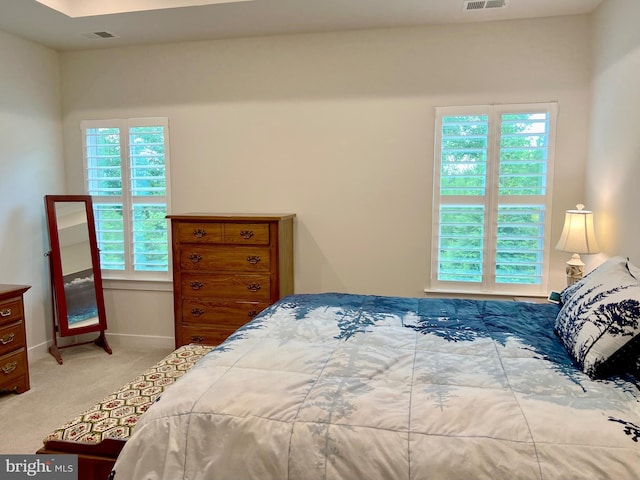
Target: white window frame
491,201
127,199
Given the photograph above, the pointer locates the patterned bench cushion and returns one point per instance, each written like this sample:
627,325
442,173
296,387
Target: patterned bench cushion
115,416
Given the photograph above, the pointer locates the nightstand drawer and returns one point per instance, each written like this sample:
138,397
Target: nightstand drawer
12,366
210,257
11,337
220,311
10,311
193,232
246,233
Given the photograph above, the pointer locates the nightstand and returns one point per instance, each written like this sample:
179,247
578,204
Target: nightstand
14,365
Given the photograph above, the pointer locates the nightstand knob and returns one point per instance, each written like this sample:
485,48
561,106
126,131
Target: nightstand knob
6,312
197,339
246,234
8,338
252,313
195,257
199,232
254,287
196,285
196,312
253,259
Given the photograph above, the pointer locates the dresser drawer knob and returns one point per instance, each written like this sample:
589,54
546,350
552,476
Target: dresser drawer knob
9,367
196,312
253,259
196,285
246,234
197,339
5,312
254,287
195,257
199,232
252,313
8,338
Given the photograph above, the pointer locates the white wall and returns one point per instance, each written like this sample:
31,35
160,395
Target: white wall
613,180
31,166
337,128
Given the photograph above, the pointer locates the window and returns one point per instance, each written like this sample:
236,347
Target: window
126,173
492,197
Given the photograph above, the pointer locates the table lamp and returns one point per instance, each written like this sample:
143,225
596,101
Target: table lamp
578,236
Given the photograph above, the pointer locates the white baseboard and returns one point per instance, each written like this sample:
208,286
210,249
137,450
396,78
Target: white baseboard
40,351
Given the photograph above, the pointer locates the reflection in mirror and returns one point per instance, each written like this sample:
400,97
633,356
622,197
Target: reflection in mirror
77,271
78,303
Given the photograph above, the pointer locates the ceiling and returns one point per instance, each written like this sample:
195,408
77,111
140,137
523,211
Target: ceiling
35,21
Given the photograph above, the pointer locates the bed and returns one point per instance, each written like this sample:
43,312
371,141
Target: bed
346,386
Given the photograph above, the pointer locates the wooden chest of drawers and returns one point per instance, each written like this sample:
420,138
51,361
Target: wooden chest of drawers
14,365
226,270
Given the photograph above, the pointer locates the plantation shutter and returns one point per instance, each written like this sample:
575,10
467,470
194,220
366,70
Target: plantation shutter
462,189
148,197
103,157
126,174
491,197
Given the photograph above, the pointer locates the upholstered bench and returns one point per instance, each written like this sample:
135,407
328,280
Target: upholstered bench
98,434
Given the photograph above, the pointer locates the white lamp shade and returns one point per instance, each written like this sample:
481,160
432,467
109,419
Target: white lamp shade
578,234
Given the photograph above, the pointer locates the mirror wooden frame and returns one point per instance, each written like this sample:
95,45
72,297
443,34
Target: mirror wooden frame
60,312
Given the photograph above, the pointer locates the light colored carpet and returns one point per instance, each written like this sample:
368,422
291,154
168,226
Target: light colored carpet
61,392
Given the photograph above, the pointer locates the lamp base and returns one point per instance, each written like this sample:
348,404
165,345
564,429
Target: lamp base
575,269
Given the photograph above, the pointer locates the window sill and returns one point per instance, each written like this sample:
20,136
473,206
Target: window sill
440,293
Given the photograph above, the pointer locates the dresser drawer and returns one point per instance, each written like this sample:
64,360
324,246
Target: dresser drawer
246,287
199,232
210,335
10,311
246,233
220,257
11,337
12,366
220,311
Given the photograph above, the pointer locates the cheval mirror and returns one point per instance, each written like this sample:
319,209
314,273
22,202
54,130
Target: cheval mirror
74,265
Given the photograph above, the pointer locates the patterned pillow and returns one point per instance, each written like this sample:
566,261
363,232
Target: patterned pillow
601,269
599,322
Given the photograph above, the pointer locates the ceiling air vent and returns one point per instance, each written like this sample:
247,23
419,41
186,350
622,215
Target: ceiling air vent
475,5
100,35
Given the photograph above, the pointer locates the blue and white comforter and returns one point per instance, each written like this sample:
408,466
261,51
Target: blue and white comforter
352,387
